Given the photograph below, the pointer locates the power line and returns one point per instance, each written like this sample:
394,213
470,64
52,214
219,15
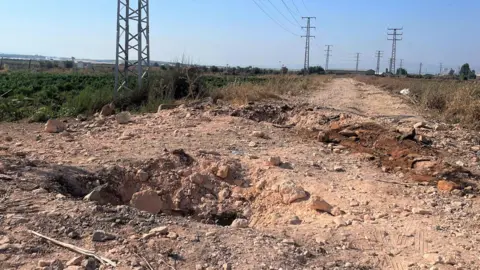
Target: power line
378,55
304,5
394,46
306,64
327,55
275,21
280,12
290,11
295,5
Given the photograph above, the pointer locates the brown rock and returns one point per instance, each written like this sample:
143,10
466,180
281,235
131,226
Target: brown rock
291,192
274,161
108,110
222,171
323,137
259,134
448,186
142,175
319,204
54,126
148,200
424,165
75,261
123,118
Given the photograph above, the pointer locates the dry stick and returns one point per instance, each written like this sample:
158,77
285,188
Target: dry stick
145,260
86,252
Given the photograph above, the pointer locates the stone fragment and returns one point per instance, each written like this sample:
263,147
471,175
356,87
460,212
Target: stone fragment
222,171
123,118
291,192
319,204
239,223
54,126
274,161
148,200
447,186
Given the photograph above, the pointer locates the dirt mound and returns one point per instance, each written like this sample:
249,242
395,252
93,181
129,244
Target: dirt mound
264,113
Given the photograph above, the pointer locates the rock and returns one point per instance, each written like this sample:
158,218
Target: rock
148,200
323,137
166,107
239,223
90,264
198,267
459,163
295,220
447,186
54,126
223,194
419,125
39,191
222,171
81,118
172,235
44,263
319,204
259,134
432,258
108,110
274,161
8,138
338,168
252,144
103,195
123,118
421,211
75,261
72,233
336,211
291,192
339,221
424,165
160,230
227,266
102,236
142,175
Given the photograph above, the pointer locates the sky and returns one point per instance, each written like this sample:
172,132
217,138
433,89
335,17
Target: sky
239,33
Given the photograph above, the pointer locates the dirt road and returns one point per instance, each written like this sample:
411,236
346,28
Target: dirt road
227,203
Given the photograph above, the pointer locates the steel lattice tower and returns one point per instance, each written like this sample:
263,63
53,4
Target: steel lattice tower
133,44
394,40
306,64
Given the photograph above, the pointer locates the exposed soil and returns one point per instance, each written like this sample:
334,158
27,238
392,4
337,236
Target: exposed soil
209,173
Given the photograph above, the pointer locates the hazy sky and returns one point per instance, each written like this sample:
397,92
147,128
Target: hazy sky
237,32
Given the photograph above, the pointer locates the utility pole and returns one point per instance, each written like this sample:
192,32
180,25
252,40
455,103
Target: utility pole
356,68
420,71
328,56
378,54
130,41
441,66
306,64
394,40
401,63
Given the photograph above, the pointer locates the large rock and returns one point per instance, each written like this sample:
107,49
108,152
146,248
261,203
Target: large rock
108,110
291,192
239,223
222,171
102,236
319,204
148,200
54,126
123,118
448,186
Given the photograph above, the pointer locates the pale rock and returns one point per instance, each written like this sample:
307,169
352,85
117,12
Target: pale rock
261,184
75,261
336,211
54,126
291,192
102,195
338,168
123,118
419,125
239,223
258,134
223,194
222,171
148,200
252,144
432,258
339,221
319,204
39,191
172,235
421,211
460,163
159,230
274,161
44,263
142,175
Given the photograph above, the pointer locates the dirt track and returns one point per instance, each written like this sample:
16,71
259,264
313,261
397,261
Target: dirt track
384,218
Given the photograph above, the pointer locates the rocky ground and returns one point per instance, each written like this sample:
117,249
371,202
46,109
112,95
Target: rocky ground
343,177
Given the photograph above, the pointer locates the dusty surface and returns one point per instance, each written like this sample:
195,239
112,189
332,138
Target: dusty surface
389,212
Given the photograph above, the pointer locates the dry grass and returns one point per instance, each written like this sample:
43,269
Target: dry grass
273,87
451,100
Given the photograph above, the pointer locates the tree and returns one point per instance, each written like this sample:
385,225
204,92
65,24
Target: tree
284,70
214,69
402,71
473,75
370,72
257,70
156,64
316,69
465,72
451,72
